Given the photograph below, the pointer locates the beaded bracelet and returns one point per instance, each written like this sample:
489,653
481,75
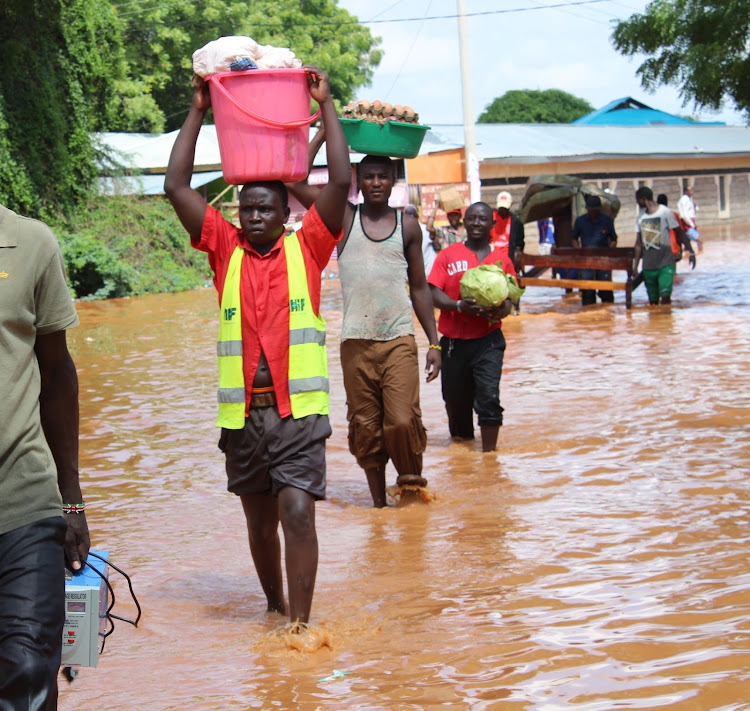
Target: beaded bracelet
435,346
74,508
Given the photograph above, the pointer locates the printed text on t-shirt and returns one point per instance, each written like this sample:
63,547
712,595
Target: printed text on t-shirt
460,265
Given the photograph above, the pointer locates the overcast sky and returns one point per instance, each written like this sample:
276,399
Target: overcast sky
514,44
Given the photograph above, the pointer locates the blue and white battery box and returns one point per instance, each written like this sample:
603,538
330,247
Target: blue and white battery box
86,602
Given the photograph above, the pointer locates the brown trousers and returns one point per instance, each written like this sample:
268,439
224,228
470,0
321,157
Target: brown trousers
382,398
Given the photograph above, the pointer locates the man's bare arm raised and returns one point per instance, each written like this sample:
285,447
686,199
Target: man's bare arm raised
191,207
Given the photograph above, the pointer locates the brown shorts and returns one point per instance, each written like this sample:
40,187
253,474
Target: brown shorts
272,452
381,379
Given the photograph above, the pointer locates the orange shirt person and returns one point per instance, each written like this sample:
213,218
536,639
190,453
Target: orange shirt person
507,231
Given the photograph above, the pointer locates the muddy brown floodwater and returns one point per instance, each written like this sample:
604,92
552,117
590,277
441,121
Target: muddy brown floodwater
598,560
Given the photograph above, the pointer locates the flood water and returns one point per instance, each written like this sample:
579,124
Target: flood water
598,560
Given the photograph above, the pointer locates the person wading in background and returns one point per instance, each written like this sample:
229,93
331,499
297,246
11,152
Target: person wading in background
507,231
654,245
687,209
449,234
428,244
594,229
662,199
380,255
473,343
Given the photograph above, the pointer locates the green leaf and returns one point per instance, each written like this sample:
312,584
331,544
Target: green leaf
699,47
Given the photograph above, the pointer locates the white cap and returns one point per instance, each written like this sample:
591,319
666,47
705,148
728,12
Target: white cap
504,199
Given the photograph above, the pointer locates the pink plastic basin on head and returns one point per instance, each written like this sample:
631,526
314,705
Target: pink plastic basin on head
262,119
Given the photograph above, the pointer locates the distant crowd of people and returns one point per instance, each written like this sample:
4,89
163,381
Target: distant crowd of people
655,243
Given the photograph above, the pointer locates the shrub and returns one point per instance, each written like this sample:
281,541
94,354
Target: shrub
129,245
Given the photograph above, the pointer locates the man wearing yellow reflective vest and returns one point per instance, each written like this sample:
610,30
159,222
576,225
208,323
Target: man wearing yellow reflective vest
273,376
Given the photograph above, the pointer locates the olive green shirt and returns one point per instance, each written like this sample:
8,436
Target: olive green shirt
34,300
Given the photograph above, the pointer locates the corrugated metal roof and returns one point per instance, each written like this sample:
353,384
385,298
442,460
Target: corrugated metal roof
527,142
496,143
628,111
634,117
150,152
152,184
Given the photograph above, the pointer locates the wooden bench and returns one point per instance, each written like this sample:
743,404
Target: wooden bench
613,259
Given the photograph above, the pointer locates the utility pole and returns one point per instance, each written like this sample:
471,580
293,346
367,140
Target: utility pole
470,143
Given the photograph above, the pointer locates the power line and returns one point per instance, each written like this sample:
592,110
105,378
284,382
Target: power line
354,21
388,9
142,10
126,4
485,12
573,13
408,54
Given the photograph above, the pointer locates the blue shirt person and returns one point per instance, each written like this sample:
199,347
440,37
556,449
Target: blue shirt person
594,229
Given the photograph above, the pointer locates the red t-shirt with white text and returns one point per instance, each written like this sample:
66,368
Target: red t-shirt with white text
450,265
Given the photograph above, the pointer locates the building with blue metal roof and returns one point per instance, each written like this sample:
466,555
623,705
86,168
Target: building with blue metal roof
713,158
631,112
620,147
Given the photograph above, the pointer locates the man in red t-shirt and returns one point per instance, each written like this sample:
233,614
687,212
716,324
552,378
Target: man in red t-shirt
275,462
473,343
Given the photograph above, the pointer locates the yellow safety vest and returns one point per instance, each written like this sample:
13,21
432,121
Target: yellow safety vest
308,365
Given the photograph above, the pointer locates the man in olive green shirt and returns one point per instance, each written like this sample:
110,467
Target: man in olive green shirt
41,518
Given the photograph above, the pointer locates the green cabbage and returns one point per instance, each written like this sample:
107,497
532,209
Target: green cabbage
515,292
487,284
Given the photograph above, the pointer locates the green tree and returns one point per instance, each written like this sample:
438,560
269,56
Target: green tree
699,47
535,106
72,68
64,76
160,39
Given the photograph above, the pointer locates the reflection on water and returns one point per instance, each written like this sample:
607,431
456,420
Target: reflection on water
598,560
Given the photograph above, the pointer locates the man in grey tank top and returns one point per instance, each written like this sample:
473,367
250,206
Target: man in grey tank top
382,277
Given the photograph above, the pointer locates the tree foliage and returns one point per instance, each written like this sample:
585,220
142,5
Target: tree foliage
535,106
72,68
699,47
64,72
160,39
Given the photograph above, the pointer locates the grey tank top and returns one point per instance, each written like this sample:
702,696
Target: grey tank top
373,277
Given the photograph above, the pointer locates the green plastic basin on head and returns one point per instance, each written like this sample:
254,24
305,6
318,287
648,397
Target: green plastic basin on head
392,138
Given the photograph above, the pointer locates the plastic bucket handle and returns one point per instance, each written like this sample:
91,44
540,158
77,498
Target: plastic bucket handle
216,79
